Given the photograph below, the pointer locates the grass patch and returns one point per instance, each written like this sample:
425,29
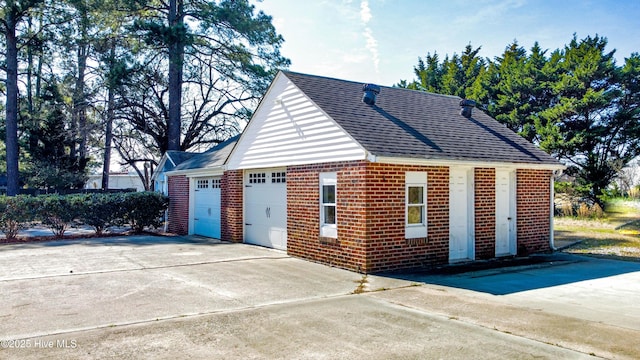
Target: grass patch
616,235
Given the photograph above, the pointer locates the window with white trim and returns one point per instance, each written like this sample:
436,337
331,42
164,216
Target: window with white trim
278,177
202,184
328,208
415,205
257,178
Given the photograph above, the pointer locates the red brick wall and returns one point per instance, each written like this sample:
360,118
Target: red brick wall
178,188
387,248
370,217
231,206
303,214
533,201
485,212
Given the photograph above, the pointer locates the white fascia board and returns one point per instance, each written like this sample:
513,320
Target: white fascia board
212,171
170,159
155,174
465,163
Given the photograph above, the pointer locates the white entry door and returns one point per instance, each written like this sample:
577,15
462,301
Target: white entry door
265,208
505,213
206,214
461,242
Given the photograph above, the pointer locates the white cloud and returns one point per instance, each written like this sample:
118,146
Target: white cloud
365,12
371,42
372,46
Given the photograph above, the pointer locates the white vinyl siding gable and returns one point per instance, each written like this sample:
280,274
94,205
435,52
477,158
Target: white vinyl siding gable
289,129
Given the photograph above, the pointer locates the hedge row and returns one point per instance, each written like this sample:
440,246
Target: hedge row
59,212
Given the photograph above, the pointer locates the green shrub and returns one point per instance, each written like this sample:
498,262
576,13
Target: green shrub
142,209
101,211
16,213
58,211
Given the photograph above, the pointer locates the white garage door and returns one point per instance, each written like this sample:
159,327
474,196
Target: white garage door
206,216
265,208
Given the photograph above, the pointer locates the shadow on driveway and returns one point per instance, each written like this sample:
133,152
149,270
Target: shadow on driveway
518,275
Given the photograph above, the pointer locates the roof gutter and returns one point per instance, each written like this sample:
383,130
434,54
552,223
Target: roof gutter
557,168
211,171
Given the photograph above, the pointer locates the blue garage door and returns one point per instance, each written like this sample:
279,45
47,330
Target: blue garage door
206,221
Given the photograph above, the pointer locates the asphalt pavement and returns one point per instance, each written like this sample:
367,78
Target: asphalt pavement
140,297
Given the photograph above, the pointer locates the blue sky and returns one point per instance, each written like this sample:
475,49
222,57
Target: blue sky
379,41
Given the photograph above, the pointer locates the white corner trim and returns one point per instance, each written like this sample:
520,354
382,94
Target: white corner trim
371,158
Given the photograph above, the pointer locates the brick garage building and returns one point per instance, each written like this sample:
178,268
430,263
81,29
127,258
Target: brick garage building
194,187
374,179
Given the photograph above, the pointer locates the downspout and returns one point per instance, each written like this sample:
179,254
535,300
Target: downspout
552,244
165,191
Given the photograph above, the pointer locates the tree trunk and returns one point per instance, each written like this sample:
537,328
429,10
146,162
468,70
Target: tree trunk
176,58
108,132
79,98
33,140
108,138
12,101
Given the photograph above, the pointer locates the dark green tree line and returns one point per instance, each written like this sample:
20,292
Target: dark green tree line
575,102
142,76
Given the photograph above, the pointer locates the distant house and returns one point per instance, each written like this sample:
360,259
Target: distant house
373,179
168,162
117,180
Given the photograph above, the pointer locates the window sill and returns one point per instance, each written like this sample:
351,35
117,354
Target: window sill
415,232
417,241
328,240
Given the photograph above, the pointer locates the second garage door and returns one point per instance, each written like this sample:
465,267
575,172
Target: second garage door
266,208
206,219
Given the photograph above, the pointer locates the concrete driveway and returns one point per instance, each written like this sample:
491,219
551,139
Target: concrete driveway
186,297
599,290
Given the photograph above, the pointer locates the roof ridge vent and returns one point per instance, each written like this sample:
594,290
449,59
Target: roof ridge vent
467,107
370,92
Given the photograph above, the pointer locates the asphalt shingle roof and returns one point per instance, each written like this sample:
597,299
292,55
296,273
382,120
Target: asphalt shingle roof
416,124
179,157
216,156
